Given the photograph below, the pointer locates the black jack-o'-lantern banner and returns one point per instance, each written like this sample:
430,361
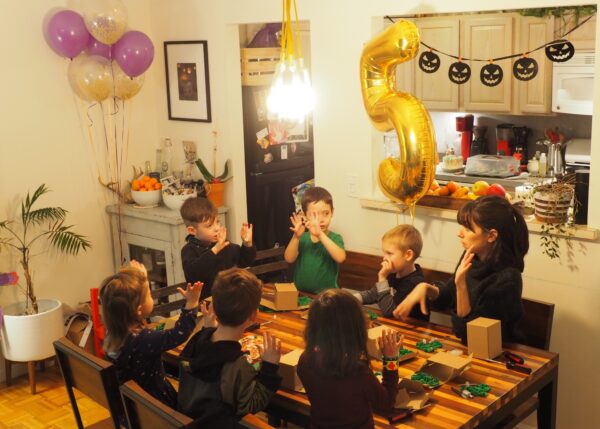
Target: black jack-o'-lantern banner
491,74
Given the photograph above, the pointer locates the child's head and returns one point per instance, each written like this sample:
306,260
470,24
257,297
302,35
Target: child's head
401,246
495,230
318,202
336,332
126,302
200,218
236,295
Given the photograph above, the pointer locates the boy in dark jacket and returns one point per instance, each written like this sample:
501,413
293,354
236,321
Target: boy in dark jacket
207,250
217,384
399,274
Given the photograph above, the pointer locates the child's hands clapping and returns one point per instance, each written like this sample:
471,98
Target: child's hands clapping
312,224
221,240
246,234
297,227
191,294
385,270
208,314
271,349
390,343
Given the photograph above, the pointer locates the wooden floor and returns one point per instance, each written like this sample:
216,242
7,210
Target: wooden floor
49,408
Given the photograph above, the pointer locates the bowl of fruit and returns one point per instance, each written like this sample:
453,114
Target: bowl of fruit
146,191
174,201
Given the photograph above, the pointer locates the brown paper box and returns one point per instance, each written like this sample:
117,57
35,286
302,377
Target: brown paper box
484,338
287,370
77,330
446,366
372,344
411,395
285,297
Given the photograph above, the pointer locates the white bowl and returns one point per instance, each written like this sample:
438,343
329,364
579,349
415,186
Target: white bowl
146,198
174,202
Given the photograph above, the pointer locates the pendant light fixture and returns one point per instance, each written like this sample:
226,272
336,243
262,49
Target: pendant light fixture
291,96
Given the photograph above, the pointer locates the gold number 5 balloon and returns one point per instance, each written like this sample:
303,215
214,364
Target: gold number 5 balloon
407,178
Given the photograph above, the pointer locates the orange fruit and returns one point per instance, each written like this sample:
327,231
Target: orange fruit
444,191
452,186
153,181
149,186
157,186
145,179
434,185
135,185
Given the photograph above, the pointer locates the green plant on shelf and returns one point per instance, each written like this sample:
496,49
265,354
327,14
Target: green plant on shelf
212,177
569,15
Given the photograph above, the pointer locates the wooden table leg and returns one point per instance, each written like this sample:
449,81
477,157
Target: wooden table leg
546,413
31,371
8,371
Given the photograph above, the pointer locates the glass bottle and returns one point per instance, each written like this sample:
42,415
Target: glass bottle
167,159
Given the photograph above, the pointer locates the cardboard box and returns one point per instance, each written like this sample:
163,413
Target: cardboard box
287,370
284,296
79,330
484,338
446,366
372,344
412,395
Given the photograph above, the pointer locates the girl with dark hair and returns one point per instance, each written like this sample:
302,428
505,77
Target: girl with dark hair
487,281
335,368
135,350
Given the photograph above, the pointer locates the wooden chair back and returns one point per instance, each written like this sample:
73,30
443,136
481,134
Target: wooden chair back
270,266
146,412
536,323
94,377
169,299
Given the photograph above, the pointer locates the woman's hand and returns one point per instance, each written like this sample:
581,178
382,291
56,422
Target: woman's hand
418,296
460,277
297,227
390,343
208,314
271,349
191,294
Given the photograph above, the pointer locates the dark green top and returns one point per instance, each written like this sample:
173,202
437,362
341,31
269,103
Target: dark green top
315,268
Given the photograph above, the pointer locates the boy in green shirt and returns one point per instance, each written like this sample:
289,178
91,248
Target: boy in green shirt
316,250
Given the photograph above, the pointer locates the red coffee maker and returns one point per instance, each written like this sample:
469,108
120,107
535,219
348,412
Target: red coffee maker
505,139
464,125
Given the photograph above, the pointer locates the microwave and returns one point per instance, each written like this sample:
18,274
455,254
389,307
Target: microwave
573,83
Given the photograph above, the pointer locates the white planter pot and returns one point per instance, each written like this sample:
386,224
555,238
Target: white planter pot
27,338
552,208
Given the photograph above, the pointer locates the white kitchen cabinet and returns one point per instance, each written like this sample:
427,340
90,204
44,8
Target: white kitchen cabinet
488,37
534,96
154,237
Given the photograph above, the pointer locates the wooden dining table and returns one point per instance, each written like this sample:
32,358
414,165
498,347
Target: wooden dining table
509,388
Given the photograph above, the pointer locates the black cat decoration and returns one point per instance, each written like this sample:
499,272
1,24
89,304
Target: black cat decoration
560,51
429,62
491,74
459,72
525,68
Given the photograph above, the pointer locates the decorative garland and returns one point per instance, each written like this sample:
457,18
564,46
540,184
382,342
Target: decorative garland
524,69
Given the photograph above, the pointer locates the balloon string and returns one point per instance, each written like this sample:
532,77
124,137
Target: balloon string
108,155
506,56
91,121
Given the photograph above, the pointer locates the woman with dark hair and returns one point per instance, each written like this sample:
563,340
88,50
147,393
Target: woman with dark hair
487,281
335,368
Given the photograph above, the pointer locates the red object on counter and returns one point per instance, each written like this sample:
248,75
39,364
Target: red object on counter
464,125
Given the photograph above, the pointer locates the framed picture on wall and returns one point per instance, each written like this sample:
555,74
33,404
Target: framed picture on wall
188,89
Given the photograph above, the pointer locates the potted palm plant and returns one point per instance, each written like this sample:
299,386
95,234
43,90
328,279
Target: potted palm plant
30,327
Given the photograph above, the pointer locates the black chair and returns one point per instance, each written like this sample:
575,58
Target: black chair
166,301
146,412
271,267
94,378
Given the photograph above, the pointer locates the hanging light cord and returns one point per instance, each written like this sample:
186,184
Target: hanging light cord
506,56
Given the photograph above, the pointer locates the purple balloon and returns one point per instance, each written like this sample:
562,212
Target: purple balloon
134,52
66,33
94,47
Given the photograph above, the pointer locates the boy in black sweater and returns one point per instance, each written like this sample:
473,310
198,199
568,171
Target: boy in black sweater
207,250
398,274
217,384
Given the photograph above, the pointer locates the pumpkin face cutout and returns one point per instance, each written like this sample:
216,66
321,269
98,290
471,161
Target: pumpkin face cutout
459,72
560,51
491,74
525,68
429,62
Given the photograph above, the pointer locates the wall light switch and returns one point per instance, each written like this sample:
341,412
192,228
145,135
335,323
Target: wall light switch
352,185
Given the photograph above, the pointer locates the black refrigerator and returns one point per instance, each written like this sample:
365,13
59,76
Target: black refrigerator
278,158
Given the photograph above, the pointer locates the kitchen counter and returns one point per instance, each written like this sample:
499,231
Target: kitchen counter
509,183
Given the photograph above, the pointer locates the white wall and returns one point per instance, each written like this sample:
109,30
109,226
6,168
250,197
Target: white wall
343,137
43,140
